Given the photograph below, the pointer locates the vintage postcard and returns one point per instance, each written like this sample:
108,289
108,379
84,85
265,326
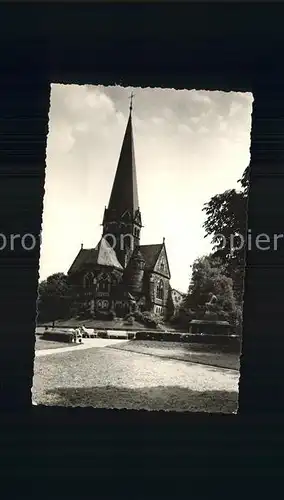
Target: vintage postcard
143,249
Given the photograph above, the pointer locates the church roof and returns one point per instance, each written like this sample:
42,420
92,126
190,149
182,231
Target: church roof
103,255
124,194
151,254
136,255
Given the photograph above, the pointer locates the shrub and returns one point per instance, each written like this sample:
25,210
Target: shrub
158,336
112,315
127,316
170,337
180,320
149,319
58,336
102,334
130,320
138,315
84,312
144,335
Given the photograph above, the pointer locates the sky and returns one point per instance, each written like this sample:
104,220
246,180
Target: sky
189,146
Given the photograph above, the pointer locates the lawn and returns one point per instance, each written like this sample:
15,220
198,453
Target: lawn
112,378
97,324
100,324
197,353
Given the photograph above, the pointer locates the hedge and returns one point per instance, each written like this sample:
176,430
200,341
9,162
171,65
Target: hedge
58,336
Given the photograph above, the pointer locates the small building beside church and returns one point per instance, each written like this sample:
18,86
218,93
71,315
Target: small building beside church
177,299
120,275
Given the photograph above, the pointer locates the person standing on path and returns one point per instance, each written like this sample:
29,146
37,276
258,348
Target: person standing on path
78,335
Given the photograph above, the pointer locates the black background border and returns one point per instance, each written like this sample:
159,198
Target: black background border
203,46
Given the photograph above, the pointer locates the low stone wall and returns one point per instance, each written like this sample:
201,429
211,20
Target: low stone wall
58,336
158,335
231,342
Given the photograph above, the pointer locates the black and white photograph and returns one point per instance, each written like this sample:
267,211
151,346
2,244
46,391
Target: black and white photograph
142,263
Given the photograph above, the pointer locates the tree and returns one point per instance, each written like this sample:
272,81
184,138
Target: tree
244,180
208,276
54,298
226,224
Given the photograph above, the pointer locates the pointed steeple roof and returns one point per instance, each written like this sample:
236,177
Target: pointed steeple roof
124,194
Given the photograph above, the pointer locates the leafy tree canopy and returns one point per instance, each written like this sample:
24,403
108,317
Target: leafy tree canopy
226,224
208,276
54,298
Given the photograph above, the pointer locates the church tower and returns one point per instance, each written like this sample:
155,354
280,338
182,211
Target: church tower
122,218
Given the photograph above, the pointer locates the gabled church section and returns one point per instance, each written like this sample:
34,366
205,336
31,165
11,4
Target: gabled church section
158,277
162,264
119,275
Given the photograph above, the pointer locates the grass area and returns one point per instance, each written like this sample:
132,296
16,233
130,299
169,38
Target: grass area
100,324
198,353
104,324
159,398
110,378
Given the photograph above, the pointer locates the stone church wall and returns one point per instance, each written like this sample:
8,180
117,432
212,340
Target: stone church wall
161,304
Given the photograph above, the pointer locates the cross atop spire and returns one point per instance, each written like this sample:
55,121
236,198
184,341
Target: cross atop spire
131,99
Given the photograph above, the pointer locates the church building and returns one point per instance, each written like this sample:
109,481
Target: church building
120,275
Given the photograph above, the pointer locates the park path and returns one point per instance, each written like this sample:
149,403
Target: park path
88,344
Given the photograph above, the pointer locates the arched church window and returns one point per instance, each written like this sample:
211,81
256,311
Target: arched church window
160,290
162,266
88,280
103,285
126,216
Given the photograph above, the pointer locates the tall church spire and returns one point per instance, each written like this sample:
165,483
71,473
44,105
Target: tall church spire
124,194
122,216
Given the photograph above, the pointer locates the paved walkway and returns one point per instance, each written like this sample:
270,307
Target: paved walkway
88,344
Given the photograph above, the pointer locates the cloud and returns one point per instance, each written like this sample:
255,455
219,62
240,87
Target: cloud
99,101
62,140
203,130
168,113
201,97
235,108
195,119
157,121
184,129
81,127
223,126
